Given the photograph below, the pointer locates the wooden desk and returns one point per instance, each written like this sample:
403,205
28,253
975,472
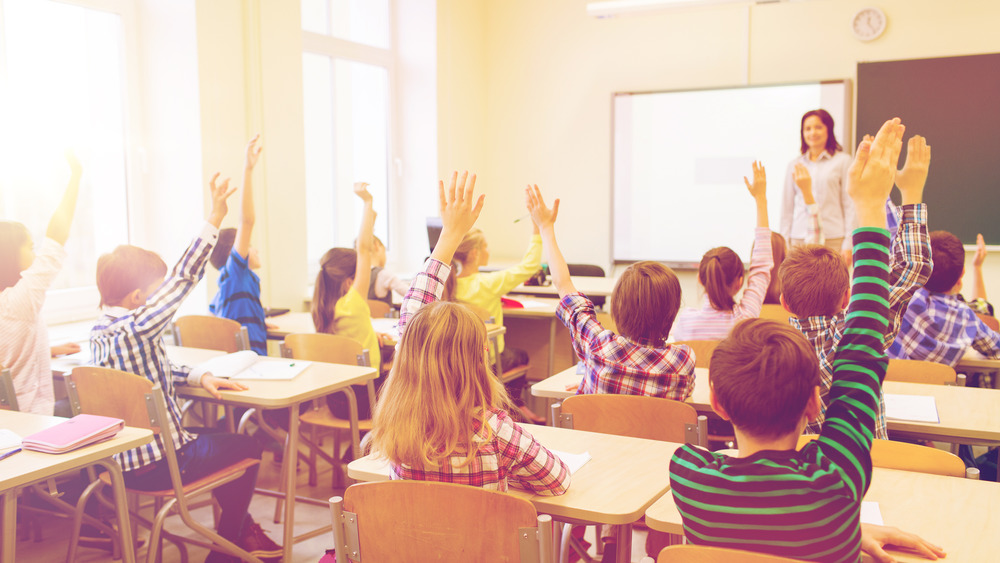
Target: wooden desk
961,515
624,477
589,286
29,467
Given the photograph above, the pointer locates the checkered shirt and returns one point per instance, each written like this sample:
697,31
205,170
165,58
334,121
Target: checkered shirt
939,328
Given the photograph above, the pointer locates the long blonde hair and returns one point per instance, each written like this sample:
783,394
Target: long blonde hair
438,396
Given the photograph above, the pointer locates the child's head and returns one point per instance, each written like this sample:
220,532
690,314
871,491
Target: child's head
16,252
645,301
336,274
773,294
721,274
128,275
378,252
473,252
814,282
949,263
442,361
223,247
763,376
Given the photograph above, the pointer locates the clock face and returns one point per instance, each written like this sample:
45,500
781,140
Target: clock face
868,23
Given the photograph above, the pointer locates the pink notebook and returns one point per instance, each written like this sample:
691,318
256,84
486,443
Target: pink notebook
81,430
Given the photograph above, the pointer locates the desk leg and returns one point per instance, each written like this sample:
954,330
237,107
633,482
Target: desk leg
9,526
121,509
290,463
352,407
552,347
624,546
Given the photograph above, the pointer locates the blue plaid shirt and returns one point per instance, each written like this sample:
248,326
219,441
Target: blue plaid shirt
132,341
910,267
939,328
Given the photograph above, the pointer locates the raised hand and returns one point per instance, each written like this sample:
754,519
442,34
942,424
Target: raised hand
75,168
458,203
803,181
980,257
913,176
542,216
253,152
758,189
870,177
361,190
220,192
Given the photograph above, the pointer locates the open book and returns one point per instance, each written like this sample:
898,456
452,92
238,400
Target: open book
81,430
248,365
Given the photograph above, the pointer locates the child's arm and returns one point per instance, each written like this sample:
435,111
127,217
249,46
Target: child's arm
851,220
247,214
761,260
544,220
874,538
459,209
62,219
363,268
533,467
978,282
814,232
860,361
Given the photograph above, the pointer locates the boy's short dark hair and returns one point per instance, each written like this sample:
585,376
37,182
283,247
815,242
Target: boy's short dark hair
763,374
814,280
645,302
125,270
220,254
949,261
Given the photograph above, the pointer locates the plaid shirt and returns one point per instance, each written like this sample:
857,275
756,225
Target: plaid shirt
132,341
507,454
939,328
910,268
616,365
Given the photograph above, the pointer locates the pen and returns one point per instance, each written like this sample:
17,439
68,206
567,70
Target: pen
10,453
519,219
291,365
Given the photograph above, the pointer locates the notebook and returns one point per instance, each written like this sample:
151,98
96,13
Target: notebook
915,408
248,365
77,432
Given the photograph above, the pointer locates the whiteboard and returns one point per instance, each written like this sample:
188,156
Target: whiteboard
680,158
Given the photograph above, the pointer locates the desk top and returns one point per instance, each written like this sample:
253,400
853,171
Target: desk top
623,478
27,467
961,515
968,414
589,286
534,308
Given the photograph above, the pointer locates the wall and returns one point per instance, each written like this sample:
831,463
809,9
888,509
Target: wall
544,115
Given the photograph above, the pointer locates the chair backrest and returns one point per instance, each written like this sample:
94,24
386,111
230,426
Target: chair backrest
330,348
909,457
702,350
652,418
110,392
917,371
378,308
8,397
990,321
706,554
211,333
423,520
586,270
775,313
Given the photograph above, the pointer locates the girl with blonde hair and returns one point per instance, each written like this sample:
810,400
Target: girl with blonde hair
441,415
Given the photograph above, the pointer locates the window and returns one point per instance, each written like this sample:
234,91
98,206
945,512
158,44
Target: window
63,86
347,68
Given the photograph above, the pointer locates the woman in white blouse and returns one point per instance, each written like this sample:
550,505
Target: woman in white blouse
822,169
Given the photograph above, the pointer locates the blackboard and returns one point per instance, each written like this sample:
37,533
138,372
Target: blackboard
955,103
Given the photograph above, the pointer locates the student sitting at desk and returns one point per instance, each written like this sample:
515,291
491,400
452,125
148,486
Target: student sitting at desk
765,379
137,306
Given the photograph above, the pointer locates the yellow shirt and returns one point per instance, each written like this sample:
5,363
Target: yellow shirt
352,318
485,288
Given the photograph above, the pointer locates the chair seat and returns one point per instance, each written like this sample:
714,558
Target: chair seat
239,466
323,417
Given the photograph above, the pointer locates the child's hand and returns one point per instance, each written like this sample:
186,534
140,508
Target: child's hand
542,216
803,181
458,212
873,538
870,177
64,349
220,193
212,384
253,152
758,190
912,178
74,164
980,252
361,189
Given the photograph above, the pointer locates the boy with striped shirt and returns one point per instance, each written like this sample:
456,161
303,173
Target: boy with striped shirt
765,380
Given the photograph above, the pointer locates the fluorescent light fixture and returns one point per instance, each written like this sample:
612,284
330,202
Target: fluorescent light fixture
611,8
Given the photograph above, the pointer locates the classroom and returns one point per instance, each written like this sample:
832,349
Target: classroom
517,92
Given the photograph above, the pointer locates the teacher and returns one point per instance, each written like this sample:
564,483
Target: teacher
818,175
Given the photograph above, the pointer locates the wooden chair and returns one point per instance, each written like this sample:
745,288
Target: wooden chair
775,313
141,404
990,321
415,521
332,349
702,350
379,309
651,418
917,371
889,454
8,397
706,554
211,333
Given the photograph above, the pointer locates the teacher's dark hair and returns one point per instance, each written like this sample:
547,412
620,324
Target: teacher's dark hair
832,146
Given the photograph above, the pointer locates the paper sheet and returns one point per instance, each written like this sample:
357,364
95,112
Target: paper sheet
9,439
573,461
274,369
914,408
870,513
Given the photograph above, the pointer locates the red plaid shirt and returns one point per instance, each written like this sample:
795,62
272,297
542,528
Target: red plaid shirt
616,365
511,456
